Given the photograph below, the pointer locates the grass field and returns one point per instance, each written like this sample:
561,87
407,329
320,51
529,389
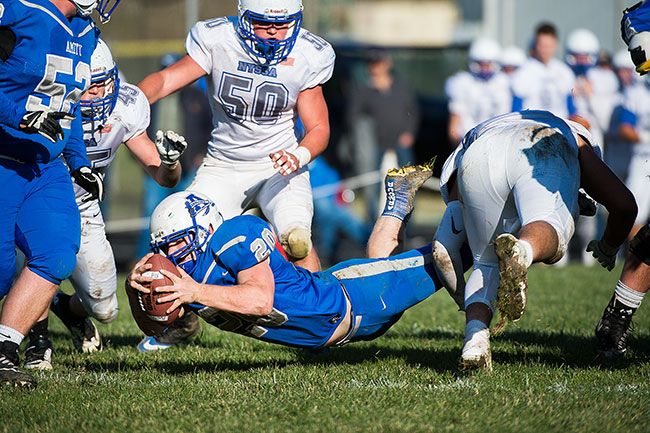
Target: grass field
544,379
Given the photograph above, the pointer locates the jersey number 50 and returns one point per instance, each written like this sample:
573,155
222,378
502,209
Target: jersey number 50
269,99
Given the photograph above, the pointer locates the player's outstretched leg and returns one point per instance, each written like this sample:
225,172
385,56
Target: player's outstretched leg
38,354
85,336
180,331
401,186
513,279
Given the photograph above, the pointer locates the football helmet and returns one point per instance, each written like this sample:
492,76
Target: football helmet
269,51
105,8
622,60
184,215
103,70
582,50
512,57
484,56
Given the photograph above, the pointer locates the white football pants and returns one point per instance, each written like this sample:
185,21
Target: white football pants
286,201
509,178
638,181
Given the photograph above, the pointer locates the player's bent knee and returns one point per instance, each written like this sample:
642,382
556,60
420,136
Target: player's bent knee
104,313
563,233
640,245
55,266
297,242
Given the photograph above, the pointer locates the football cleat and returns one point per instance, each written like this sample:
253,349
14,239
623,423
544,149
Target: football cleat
401,185
513,280
613,329
477,354
10,374
85,336
38,354
180,331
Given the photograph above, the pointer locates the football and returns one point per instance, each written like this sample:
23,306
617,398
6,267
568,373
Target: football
148,301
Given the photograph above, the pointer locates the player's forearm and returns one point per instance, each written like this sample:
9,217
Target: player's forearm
167,176
628,133
316,139
247,299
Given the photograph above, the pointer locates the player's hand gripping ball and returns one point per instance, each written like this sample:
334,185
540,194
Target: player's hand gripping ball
157,311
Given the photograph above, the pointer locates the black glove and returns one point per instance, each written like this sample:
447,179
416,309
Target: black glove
45,123
92,181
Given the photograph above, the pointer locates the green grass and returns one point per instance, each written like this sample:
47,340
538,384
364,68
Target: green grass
544,377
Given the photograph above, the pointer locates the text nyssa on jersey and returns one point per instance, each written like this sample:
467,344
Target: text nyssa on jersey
48,70
129,118
307,307
253,106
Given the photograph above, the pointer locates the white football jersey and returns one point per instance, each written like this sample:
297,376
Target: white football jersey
511,122
253,107
635,100
130,118
544,87
475,100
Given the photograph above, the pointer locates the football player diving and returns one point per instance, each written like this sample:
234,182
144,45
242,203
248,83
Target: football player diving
40,119
263,71
113,112
235,277
613,327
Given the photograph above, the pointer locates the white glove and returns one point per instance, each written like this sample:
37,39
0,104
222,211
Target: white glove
288,162
602,252
170,147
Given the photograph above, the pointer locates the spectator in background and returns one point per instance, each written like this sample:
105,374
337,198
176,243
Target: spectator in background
479,94
618,151
594,96
544,82
187,111
634,127
391,108
331,213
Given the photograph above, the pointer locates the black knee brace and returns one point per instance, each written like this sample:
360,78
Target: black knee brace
640,245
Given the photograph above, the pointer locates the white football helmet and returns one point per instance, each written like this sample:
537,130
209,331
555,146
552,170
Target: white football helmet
269,52
582,50
484,56
103,70
512,57
622,60
185,214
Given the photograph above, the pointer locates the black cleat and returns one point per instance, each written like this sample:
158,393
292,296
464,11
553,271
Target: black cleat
613,329
10,374
85,336
38,354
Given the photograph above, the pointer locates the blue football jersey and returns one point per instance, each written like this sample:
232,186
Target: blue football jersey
49,69
307,307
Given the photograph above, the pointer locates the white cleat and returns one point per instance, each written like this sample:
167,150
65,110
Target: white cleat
476,352
150,344
513,279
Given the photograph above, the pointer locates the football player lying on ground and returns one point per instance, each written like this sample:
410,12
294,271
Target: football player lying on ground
519,174
613,328
234,276
113,113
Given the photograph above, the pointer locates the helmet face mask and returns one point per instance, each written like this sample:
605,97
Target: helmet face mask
185,216
279,13
104,73
105,8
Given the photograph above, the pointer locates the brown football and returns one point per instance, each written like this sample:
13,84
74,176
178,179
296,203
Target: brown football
148,301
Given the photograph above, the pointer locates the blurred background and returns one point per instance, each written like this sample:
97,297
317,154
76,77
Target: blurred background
422,43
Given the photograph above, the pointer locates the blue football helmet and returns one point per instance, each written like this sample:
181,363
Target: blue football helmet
188,216
104,71
269,52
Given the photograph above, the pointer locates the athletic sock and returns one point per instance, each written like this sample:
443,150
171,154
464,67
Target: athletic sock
527,251
628,296
61,307
10,334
